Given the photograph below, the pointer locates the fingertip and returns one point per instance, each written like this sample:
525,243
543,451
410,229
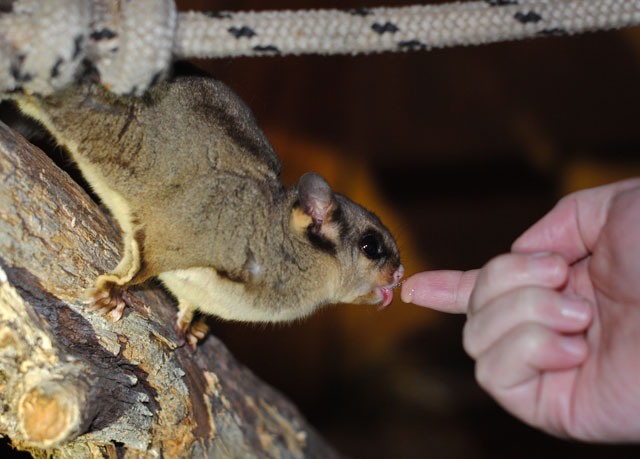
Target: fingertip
418,281
561,352
575,347
406,292
576,311
446,291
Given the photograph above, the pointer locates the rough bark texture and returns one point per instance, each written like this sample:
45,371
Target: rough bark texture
74,384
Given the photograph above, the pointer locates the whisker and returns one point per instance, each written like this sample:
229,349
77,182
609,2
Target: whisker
398,284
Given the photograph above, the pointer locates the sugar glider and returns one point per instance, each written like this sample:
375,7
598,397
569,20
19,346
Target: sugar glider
195,187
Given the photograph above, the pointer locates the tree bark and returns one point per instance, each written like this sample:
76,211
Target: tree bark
73,383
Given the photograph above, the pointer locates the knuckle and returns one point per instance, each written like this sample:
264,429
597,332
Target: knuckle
500,275
474,305
535,303
483,374
529,300
468,341
495,268
532,338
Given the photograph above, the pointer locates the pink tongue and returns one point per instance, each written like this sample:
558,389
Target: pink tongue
387,296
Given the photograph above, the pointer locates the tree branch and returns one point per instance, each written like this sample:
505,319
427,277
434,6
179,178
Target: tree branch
76,383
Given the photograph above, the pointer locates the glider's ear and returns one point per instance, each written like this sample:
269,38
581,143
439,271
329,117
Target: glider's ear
316,197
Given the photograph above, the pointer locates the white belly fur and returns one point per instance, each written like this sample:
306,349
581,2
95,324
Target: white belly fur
211,294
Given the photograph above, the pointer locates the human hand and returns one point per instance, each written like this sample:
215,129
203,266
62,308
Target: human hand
554,326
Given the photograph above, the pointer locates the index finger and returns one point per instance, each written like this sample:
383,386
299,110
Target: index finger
447,291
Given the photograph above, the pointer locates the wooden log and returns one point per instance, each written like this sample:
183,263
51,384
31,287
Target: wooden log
73,383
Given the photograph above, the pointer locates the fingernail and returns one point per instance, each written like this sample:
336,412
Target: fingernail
544,266
576,310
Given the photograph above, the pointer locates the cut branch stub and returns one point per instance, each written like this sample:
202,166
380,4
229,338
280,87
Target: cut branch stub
78,385
54,412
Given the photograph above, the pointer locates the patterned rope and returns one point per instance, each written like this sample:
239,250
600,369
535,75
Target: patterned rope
132,42
394,29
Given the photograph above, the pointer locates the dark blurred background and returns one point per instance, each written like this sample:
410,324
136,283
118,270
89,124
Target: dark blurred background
459,151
